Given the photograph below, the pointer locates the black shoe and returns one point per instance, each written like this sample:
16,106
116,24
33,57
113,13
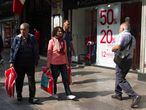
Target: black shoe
33,100
130,96
135,101
118,97
19,98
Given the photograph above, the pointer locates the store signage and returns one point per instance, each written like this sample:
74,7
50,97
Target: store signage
108,22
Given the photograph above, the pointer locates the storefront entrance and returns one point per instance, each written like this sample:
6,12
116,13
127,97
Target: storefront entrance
8,31
84,23
106,20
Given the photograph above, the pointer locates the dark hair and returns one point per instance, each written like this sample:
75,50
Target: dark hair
56,29
66,20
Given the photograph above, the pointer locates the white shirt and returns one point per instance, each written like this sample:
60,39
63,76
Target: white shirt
123,39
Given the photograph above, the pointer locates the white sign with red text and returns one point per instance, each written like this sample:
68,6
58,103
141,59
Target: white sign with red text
108,22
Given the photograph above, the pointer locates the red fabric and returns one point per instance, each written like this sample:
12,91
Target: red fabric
50,88
18,6
10,75
62,45
69,75
53,56
37,35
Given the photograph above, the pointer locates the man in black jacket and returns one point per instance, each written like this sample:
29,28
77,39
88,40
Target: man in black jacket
24,57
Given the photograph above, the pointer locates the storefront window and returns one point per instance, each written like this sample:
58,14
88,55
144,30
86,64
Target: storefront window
57,20
8,32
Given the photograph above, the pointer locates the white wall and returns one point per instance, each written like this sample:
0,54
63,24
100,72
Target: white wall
143,39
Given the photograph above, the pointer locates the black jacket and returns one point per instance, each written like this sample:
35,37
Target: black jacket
16,44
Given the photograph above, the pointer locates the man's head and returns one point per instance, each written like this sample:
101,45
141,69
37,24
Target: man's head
24,29
58,32
66,25
124,26
127,19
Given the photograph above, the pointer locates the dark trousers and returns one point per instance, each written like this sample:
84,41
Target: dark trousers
69,56
0,56
121,82
56,70
30,72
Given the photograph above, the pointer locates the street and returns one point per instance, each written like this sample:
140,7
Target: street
92,85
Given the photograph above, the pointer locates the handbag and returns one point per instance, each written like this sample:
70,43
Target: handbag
119,57
47,82
122,54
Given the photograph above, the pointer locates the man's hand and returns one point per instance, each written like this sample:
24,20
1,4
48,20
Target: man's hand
11,65
115,48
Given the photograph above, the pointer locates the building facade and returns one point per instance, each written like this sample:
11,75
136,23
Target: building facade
8,22
100,20
91,20
38,14
35,12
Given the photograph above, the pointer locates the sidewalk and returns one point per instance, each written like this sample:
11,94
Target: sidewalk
93,87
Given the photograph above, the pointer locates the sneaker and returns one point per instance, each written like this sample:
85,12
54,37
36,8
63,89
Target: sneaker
118,97
55,96
71,97
135,101
33,100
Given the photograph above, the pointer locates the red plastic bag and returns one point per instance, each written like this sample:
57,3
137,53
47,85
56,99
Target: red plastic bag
47,82
10,76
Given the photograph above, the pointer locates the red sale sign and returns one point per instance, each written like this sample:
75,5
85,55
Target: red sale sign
108,22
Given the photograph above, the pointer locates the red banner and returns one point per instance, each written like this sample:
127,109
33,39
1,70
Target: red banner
18,6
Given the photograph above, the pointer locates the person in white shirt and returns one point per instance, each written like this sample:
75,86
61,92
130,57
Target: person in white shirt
126,43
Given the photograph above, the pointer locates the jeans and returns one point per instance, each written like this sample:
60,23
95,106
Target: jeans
121,82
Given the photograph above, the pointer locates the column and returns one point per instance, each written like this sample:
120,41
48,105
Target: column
142,71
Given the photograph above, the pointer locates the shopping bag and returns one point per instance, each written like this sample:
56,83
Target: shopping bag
10,76
47,82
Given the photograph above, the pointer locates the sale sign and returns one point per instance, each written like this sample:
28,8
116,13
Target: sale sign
108,22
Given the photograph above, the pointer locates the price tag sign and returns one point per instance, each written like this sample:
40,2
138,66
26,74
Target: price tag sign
108,22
